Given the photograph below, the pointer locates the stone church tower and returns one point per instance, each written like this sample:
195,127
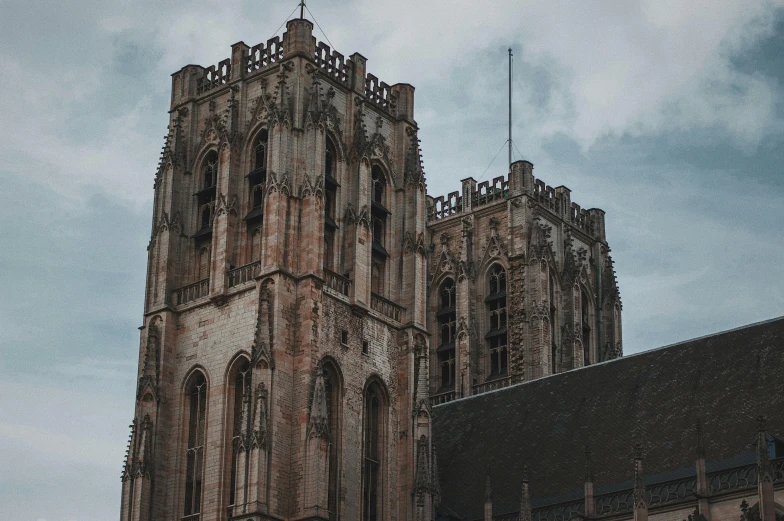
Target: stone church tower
294,295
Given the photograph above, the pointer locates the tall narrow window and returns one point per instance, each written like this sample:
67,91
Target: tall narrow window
372,453
334,392
260,152
496,337
330,201
205,197
257,180
240,386
194,454
553,324
447,318
585,319
377,177
379,217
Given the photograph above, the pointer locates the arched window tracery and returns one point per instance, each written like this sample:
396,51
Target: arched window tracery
553,313
585,323
205,197
379,225
373,451
330,204
257,181
240,382
496,336
447,322
196,395
334,393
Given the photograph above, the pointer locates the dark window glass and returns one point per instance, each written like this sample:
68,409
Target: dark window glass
497,341
194,454
241,380
372,453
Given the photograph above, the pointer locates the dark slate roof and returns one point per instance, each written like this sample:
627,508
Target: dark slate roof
653,398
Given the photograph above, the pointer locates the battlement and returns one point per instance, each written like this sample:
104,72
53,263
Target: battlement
519,182
297,40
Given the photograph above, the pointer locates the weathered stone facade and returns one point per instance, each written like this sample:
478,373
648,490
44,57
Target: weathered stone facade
287,359
535,286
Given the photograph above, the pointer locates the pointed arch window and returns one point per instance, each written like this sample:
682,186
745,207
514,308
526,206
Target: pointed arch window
194,453
585,322
334,392
240,386
447,322
373,444
205,197
330,204
257,178
379,220
553,323
496,336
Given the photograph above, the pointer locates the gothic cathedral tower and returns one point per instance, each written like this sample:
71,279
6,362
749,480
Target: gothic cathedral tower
283,362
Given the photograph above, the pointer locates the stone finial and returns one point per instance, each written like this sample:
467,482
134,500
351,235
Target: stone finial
588,465
765,494
639,478
488,498
422,481
525,498
700,440
318,425
590,506
763,459
640,497
422,390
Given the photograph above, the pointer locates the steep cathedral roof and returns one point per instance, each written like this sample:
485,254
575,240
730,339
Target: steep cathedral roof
653,398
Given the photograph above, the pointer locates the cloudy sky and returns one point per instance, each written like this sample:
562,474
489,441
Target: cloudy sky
669,115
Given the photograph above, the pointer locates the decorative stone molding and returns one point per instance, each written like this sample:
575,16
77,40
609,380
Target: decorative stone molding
312,188
223,206
258,434
362,217
275,184
318,424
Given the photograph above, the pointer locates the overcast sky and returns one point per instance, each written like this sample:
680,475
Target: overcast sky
668,115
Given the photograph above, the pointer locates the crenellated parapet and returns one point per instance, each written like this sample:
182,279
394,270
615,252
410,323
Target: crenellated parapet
559,308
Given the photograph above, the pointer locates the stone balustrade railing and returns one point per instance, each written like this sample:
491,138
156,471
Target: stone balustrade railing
333,64
336,282
658,494
214,76
386,307
244,273
490,191
191,292
261,56
442,206
492,385
560,512
444,397
379,94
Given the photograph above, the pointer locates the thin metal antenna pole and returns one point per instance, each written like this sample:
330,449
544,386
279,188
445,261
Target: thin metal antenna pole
510,105
301,10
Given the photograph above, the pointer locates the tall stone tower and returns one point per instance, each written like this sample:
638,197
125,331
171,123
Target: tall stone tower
307,303
283,362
